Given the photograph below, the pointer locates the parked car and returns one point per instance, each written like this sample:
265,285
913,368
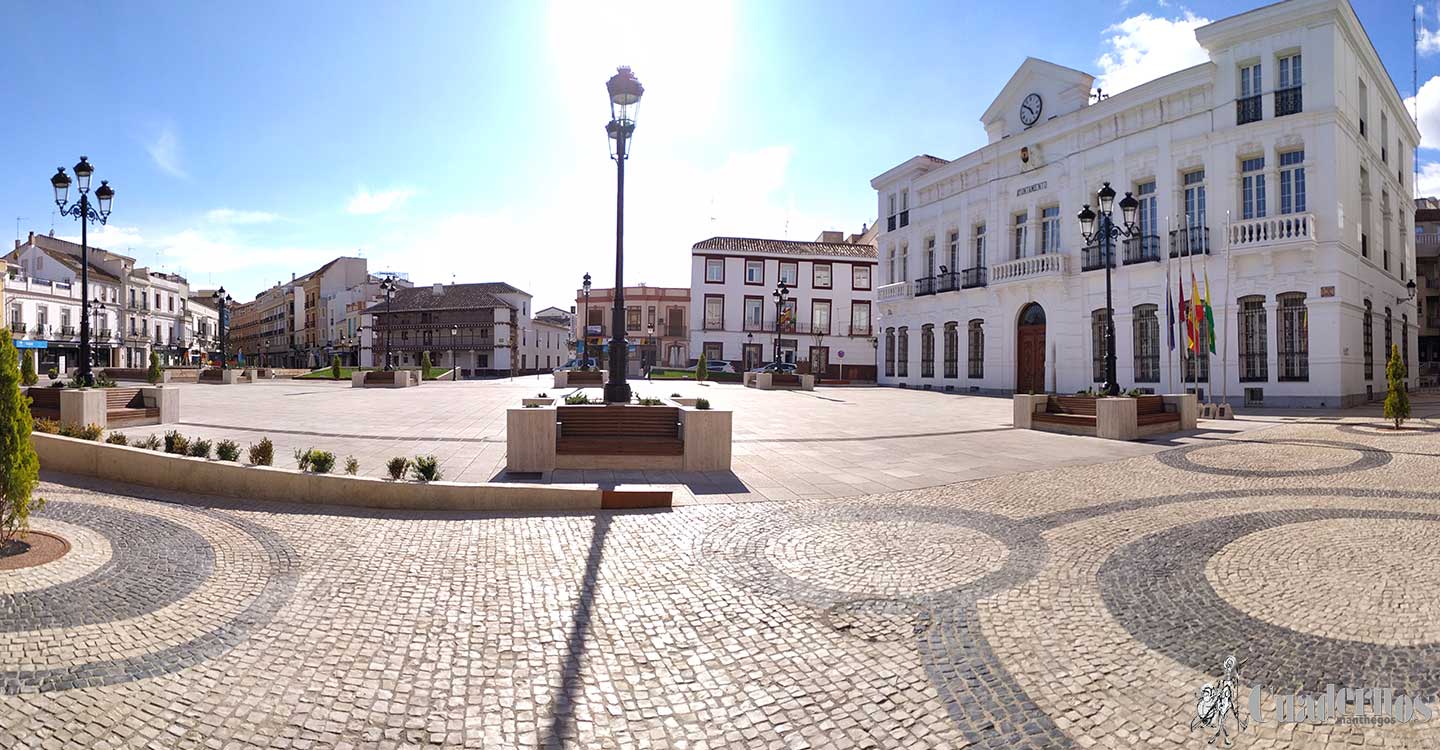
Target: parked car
784,368
714,365
576,363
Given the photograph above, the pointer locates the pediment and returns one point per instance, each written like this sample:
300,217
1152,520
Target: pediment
1060,90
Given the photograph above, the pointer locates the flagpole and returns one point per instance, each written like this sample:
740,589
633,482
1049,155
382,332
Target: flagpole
1225,341
1194,350
1170,318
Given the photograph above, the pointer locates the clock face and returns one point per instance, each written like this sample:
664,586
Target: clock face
1030,109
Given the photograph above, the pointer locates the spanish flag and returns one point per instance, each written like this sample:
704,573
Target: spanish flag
1209,314
1197,322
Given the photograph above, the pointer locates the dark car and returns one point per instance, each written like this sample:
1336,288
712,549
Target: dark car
785,368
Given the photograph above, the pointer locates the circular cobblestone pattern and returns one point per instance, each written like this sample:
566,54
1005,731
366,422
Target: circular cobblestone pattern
1358,579
1258,460
31,549
886,558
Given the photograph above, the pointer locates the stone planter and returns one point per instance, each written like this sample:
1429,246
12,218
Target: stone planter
167,400
765,381
1027,406
83,406
748,379
683,401
401,379
1115,418
707,435
533,402
530,439
563,379
1186,405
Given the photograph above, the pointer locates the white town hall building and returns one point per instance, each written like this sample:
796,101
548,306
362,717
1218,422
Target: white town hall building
1288,155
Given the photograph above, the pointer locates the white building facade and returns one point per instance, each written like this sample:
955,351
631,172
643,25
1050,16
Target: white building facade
828,315
1277,173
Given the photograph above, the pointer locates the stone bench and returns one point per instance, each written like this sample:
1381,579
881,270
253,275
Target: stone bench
44,402
126,407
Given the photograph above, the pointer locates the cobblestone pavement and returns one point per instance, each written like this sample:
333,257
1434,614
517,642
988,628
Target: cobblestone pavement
1073,606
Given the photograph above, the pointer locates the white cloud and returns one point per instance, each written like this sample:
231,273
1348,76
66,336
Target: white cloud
1429,40
1143,48
1428,112
116,239
165,152
232,216
1428,183
366,202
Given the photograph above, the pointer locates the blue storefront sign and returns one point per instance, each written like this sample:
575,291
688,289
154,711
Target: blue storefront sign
30,344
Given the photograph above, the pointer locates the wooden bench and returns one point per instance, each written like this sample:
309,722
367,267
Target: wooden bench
1151,410
380,376
584,377
44,402
618,431
784,378
211,375
1074,410
126,406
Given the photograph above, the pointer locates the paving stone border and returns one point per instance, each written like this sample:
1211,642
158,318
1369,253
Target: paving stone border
1370,458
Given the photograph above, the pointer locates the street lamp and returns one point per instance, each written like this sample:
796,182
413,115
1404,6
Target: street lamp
388,287
454,366
781,294
1107,233
1410,291
223,298
625,92
81,210
585,327
749,347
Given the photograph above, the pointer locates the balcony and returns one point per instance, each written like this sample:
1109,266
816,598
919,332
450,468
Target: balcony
1142,249
1192,241
105,333
890,224
1273,230
973,278
38,330
1247,109
860,329
904,218
892,292
67,331
1092,258
17,327
1287,102
1034,267
924,286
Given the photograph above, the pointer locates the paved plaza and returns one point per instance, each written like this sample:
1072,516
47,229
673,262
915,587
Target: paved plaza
1076,605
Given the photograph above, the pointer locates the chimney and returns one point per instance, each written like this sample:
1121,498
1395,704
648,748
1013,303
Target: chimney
438,289
831,235
572,309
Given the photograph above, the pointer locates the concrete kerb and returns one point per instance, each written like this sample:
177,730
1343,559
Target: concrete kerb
202,476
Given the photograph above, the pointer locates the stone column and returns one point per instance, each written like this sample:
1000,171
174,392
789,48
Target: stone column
1115,418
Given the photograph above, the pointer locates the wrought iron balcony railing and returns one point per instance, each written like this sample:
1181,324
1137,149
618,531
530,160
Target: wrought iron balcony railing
1142,249
972,278
1288,101
1247,109
1191,241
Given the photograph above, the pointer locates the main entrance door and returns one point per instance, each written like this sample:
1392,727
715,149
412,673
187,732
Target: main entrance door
1030,350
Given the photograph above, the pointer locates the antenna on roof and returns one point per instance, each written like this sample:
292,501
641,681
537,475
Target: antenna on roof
18,219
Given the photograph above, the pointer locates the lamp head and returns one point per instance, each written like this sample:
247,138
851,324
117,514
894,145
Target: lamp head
83,170
61,182
1106,194
1087,222
103,196
1128,207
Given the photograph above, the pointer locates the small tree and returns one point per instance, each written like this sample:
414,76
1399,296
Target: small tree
153,374
1397,401
335,367
424,364
701,371
28,376
19,466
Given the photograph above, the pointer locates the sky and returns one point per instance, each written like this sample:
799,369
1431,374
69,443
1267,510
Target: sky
464,141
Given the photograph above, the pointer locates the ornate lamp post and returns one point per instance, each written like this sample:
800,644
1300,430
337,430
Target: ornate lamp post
625,92
781,295
454,365
81,210
1107,233
749,347
1410,289
388,287
222,299
585,326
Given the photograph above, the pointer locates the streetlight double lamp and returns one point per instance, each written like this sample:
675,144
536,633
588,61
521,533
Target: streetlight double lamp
1106,233
780,295
584,352
388,287
625,92
222,300
81,210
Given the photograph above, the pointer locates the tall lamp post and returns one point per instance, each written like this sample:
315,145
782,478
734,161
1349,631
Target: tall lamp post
388,287
749,347
625,91
81,210
781,295
222,299
454,365
585,326
1107,233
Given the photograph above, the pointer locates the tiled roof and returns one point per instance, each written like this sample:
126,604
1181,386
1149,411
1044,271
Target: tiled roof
753,246
73,262
451,297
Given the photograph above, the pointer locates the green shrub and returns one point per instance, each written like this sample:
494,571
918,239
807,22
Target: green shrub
104,381
19,466
88,432
227,450
650,402
117,438
321,462
674,395
532,406
426,469
352,465
153,374
424,364
702,404
176,443
702,371
150,443
577,399
397,467
1397,401
28,376
302,458
541,395
47,425
53,373
262,453
200,448
335,367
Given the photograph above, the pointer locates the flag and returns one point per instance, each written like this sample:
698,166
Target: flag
1169,309
1209,314
1197,321
1184,313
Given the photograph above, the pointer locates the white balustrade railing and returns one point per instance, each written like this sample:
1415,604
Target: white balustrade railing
1049,264
891,292
1272,230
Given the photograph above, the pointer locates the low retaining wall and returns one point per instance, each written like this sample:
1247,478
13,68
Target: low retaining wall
203,476
562,379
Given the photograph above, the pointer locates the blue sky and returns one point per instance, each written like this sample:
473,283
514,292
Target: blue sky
464,140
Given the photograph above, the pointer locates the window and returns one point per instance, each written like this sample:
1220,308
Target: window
1384,138
930,257
1364,212
755,272
1385,229
903,269
859,276
889,352
1146,326
16,318
1287,94
650,320
902,353
1389,334
790,274
1364,104
890,217
632,318
927,350
1294,334
953,266
1292,182
975,354
1290,71
714,313
1253,365
1252,188
714,270
1250,80
171,302
952,350
820,316
1099,344
64,317
714,351
1194,361
1020,220
1367,335
157,307
859,318
1050,230
754,314
820,275
1247,104
1147,217
1194,199
42,316
904,208
980,245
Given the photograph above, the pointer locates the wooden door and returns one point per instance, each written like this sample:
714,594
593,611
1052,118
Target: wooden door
1030,359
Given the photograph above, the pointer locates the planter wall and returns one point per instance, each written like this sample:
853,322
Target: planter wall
562,379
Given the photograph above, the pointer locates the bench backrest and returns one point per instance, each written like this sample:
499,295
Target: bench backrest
784,378
1150,405
584,376
44,398
211,374
1071,405
618,421
380,376
124,398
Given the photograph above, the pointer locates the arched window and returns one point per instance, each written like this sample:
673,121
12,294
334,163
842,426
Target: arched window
889,352
1367,335
1099,343
1294,336
976,356
1254,349
1146,328
952,350
902,353
927,350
